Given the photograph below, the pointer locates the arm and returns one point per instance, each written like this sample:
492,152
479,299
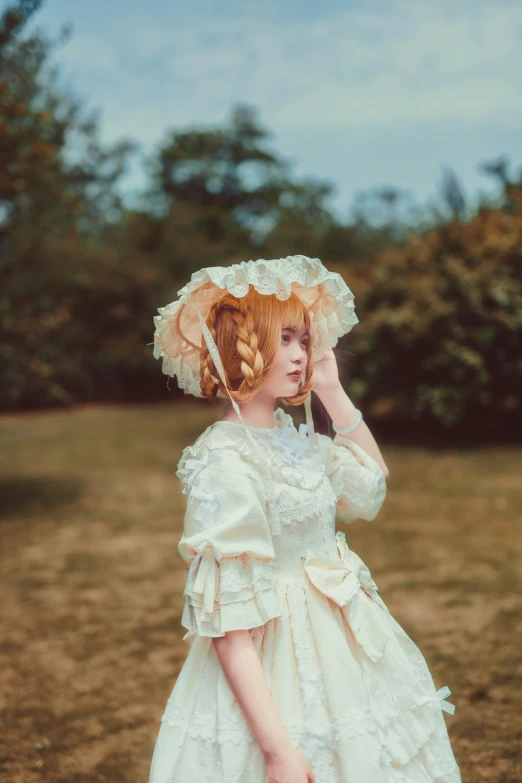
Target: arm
226,519
244,672
341,409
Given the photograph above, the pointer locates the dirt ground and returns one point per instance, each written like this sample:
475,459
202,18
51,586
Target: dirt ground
91,589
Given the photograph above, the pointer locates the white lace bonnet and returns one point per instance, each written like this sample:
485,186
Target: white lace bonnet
179,334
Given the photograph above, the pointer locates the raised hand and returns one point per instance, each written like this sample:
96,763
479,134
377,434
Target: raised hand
326,373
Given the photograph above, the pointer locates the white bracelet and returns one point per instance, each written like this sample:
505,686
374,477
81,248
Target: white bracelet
346,430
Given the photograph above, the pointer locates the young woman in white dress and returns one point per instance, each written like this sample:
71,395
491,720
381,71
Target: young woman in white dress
296,670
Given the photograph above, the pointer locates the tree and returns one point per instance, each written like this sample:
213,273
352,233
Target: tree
452,194
229,175
53,214
441,337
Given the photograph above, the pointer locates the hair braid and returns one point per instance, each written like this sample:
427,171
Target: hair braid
208,385
252,363
233,312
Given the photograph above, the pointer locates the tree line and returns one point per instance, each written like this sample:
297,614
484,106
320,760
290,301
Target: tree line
438,289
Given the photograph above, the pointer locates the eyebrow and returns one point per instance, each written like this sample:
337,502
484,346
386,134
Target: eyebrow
294,330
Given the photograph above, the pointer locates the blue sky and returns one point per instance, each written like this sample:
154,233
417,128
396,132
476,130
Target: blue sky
363,94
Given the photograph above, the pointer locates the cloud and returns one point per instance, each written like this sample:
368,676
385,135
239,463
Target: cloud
408,63
410,83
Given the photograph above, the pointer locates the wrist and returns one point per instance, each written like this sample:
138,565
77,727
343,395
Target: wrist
334,398
275,748
345,431
339,406
328,390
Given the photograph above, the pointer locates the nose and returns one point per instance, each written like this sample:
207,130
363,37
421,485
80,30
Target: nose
299,355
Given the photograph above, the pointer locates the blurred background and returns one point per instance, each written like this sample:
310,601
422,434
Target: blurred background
141,143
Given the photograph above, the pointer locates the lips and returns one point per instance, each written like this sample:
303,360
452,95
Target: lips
296,375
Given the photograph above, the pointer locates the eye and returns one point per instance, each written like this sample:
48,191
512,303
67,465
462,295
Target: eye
285,338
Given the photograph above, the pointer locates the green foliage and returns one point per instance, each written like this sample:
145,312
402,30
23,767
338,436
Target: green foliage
438,293
52,221
441,324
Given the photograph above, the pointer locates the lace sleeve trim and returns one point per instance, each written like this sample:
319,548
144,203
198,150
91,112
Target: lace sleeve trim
234,593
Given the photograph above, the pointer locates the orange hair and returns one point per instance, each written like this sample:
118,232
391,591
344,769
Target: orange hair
247,332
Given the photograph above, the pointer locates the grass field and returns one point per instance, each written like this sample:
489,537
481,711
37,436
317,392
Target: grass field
91,588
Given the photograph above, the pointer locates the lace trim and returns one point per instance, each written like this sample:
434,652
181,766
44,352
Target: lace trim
320,740
412,692
298,463
237,582
236,730
239,578
422,672
286,449
297,513
443,764
206,727
321,504
328,530
353,722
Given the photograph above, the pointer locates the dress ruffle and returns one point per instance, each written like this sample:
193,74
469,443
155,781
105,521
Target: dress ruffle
235,594
354,718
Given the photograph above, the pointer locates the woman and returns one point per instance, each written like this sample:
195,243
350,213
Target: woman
296,672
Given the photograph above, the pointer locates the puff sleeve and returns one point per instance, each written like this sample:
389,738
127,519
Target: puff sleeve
227,544
357,478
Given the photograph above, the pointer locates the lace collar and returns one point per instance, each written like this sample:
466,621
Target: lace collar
291,455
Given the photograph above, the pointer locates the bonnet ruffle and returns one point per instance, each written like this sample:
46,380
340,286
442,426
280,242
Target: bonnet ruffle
178,338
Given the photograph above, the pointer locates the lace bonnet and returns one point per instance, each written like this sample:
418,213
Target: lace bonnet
180,325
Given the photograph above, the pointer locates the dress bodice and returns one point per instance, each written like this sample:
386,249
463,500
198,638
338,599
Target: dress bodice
304,498
271,496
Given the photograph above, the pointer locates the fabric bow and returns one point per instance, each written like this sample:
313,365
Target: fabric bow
439,700
189,467
204,586
295,446
347,581
208,505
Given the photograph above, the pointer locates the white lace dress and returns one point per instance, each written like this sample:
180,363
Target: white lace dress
351,687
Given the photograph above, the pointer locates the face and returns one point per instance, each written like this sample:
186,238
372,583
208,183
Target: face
289,367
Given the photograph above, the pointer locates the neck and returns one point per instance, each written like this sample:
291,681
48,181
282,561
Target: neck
257,412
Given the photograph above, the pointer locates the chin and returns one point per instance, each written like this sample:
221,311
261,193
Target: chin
292,391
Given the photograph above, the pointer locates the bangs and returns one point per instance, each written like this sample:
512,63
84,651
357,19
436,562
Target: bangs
247,331
290,313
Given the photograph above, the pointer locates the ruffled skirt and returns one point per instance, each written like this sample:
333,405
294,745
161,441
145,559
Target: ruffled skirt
353,691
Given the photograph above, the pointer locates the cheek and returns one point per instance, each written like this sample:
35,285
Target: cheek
279,371
280,361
